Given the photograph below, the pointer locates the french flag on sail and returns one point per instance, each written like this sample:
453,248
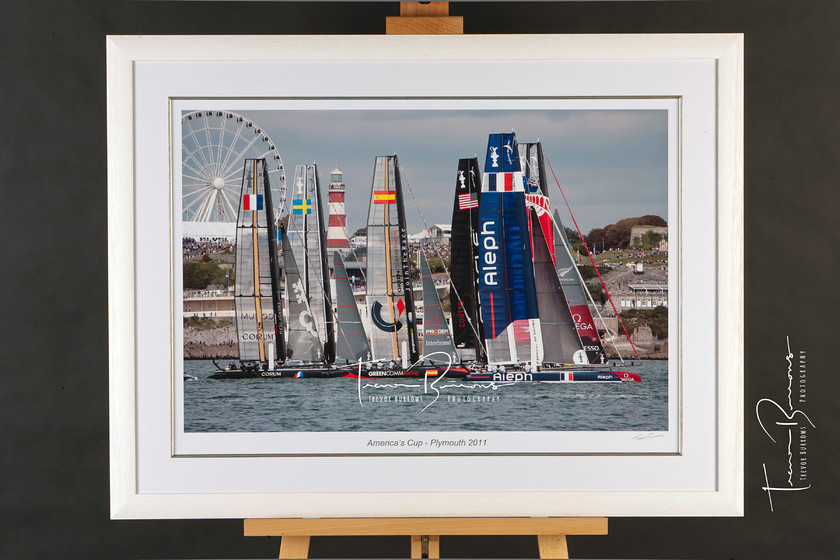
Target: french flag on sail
501,182
252,202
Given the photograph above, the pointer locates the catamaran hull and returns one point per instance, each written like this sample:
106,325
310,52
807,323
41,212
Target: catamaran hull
304,372
557,377
453,373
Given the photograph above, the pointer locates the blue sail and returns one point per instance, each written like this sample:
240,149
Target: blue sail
506,274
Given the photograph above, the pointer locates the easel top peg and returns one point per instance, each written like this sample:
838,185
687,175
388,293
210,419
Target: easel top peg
424,18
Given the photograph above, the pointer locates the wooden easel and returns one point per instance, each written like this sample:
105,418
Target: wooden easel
425,531
425,18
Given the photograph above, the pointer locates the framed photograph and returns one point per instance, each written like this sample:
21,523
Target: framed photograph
426,276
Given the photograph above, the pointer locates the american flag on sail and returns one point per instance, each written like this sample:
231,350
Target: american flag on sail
467,201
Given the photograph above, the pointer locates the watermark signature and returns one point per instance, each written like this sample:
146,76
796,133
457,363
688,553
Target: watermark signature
790,424
432,387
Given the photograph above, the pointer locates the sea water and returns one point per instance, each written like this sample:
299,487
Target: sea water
345,404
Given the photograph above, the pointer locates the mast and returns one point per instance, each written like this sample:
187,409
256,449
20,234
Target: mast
388,271
256,269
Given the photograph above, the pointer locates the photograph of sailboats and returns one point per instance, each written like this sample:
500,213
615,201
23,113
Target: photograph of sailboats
429,285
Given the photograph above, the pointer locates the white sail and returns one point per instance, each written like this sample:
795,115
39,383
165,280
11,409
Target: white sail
389,296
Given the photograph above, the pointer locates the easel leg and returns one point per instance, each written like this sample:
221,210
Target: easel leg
553,546
425,546
294,547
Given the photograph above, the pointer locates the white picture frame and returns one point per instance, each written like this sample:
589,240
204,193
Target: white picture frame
148,480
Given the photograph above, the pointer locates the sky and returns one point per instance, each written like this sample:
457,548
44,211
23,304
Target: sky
611,164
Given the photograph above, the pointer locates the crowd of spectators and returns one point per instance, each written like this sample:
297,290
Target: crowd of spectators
648,258
433,249
194,249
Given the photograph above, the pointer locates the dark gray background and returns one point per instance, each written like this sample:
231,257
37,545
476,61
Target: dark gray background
54,392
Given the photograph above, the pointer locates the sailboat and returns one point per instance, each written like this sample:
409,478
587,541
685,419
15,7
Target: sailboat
258,307
266,348
525,312
394,339
306,237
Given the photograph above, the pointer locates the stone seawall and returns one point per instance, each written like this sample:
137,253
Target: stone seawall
655,351
204,352
208,343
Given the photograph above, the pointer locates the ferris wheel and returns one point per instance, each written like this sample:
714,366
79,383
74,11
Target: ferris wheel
215,145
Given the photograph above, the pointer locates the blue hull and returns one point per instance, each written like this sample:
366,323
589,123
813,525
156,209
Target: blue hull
556,376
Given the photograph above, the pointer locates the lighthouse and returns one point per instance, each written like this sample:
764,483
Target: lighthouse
337,226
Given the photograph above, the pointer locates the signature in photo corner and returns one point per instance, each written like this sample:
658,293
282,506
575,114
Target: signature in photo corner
492,385
790,421
647,435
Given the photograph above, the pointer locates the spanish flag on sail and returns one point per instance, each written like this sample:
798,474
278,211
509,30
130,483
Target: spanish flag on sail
384,197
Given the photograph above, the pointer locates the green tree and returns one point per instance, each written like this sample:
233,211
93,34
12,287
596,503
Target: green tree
587,271
437,265
656,319
651,238
572,235
197,276
617,235
597,292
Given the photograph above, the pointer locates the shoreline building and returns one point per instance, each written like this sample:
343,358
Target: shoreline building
337,225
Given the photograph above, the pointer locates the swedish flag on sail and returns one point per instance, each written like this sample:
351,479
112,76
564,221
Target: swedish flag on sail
301,206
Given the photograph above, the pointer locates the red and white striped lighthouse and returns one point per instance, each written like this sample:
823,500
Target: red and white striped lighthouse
337,226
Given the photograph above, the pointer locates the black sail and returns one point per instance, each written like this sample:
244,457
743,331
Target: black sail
410,317
274,262
329,320
467,329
